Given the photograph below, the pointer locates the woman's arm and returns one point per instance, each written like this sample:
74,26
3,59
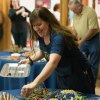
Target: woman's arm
45,73
37,56
13,13
20,11
48,69
26,13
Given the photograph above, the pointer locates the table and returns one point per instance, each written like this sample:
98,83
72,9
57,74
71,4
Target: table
16,93
17,83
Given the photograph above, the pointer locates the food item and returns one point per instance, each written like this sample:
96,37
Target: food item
15,48
13,57
39,94
28,54
67,95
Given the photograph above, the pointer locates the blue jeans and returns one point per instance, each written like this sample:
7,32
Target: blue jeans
91,49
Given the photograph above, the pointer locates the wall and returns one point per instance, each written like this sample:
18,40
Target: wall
30,4
97,9
5,41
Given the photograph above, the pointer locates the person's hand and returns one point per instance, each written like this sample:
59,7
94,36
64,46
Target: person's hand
23,14
80,43
27,89
25,61
20,11
23,9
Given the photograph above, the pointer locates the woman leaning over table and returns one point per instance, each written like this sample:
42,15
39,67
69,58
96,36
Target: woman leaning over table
58,47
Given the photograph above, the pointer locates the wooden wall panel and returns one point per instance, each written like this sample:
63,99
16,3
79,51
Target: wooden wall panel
64,12
5,42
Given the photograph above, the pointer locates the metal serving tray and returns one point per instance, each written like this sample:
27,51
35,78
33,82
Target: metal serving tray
13,70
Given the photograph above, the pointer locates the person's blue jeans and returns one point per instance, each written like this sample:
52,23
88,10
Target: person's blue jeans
91,49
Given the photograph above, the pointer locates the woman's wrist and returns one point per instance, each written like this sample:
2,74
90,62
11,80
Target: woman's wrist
30,60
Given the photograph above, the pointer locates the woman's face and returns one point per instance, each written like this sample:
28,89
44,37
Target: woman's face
41,27
15,3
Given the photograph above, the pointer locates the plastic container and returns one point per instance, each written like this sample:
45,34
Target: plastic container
13,70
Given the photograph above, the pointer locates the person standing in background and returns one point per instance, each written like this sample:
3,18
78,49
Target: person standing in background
56,10
18,15
86,29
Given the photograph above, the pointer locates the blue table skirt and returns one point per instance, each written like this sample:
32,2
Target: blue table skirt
17,83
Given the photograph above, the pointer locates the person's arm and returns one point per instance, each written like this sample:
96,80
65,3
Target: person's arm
20,11
48,69
25,13
93,27
75,36
37,56
45,73
12,13
56,53
90,34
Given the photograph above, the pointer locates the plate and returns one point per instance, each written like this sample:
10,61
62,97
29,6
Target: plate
15,54
12,57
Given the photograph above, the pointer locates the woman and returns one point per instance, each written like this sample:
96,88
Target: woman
62,54
18,15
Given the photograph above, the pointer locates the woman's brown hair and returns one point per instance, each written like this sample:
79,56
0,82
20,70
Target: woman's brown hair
54,25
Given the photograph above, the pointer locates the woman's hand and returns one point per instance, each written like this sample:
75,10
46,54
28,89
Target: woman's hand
20,11
23,9
27,89
23,14
25,61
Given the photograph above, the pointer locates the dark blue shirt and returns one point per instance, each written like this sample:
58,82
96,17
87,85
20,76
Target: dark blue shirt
72,59
74,70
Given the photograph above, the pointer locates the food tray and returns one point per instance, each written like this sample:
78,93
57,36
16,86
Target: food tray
13,70
7,96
